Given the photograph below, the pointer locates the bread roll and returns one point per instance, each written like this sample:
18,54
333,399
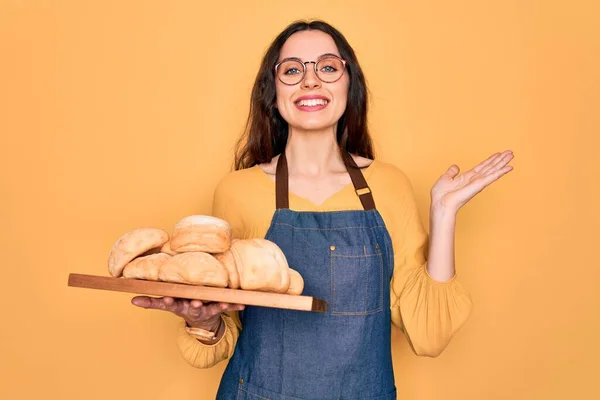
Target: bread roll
261,265
194,268
131,245
228,261
153,250
296,282
201,233
166,248
145,267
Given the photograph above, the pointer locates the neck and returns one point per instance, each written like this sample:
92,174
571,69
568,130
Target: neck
313,153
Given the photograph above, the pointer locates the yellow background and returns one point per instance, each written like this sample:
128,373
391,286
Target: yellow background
121,114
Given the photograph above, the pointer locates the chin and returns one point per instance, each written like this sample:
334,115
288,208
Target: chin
316,126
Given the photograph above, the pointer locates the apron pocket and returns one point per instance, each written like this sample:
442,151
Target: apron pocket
356,279
247,391
245,394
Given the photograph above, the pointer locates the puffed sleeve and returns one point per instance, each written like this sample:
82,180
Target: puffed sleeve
196,353
429,312
202,355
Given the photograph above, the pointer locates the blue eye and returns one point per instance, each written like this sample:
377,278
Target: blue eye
330,66
292,71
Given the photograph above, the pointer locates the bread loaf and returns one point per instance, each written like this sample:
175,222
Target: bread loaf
145,267
228,261
201,233
166,248
194,268
133,244
261,265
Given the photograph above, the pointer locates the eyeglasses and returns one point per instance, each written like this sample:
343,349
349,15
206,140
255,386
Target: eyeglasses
328,69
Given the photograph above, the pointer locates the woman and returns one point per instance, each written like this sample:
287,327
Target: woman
305,179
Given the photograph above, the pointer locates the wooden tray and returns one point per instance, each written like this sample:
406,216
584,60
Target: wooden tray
205,293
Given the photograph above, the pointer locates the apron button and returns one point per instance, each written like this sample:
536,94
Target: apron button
241,381
377,246
332,247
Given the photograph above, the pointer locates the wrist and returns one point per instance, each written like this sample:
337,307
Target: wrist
441,214
211,325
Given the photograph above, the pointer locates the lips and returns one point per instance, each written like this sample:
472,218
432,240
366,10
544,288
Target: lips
311,103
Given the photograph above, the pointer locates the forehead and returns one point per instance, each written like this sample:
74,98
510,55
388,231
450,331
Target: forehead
308,45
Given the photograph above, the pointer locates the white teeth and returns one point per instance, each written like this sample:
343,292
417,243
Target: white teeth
312,102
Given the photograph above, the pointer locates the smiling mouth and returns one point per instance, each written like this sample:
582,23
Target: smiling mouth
312,103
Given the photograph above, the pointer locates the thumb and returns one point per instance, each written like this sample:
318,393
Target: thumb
452,171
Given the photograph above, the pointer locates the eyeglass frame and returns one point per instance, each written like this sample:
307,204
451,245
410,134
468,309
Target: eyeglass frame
321,58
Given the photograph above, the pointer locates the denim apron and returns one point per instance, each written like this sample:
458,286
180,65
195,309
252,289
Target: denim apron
345,259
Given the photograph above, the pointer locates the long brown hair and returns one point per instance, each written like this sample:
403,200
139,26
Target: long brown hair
266,131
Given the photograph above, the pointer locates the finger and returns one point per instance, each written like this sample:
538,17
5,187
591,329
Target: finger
236,307
216,309
503,160
141,301
229,307
499,163
195,308
485,163
196,303
503,171
148,302
468,175
169,301
489,179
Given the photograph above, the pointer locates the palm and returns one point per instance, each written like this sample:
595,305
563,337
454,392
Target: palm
452,191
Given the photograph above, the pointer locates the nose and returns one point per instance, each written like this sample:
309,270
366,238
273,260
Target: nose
310,80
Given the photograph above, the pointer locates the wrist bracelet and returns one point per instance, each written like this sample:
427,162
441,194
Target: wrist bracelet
204,334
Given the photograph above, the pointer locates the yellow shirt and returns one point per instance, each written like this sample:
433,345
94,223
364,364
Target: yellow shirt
427,311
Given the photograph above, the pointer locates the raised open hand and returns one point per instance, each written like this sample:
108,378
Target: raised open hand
452,191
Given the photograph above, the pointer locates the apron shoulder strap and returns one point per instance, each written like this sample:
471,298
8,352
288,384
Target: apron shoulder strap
362,189
282,198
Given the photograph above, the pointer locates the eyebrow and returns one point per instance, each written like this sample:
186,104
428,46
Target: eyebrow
318,58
